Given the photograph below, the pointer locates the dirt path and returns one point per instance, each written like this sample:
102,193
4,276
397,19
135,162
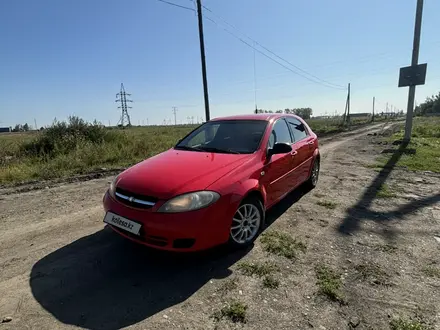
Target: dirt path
59,268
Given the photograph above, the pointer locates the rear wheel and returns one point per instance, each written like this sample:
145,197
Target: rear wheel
246,223
314,174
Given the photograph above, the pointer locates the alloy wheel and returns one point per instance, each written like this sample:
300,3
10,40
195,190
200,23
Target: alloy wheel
245,223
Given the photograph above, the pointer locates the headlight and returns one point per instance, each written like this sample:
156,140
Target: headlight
189,202
112,188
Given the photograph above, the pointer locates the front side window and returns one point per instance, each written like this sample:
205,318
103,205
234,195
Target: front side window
298,129
227,136
280,133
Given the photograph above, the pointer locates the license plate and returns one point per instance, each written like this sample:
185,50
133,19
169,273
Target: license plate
123,223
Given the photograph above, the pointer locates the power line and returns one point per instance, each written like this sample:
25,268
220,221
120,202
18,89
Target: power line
272,59
176,5
319,80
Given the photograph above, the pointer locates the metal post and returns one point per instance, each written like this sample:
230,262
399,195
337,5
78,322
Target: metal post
414,61
202,54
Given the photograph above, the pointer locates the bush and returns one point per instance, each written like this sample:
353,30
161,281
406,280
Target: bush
64,137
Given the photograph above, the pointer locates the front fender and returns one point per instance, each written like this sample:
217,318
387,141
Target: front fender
247,187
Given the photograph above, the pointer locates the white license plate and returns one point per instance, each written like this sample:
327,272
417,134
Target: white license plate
123,223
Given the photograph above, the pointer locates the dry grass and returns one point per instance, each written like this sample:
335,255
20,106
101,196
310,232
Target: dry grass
235,311
282,244
329,283
257,268
327,204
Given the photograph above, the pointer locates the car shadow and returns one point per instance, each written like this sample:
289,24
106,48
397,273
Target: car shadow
104,281
282,206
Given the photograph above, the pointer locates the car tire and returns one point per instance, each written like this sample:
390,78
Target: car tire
247,223
312,181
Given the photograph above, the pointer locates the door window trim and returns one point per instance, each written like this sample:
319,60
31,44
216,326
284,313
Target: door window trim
273,126
291,129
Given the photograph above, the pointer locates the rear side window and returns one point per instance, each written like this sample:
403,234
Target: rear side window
280,133
298,129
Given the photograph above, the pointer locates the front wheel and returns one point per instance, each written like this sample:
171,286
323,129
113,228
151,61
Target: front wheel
246,223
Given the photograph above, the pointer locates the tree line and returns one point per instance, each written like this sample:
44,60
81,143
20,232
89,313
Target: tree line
430,106
305,113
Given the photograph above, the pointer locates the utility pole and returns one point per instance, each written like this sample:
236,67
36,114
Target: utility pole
414,62
175,118
346,119
374,100
255,81
35,122
202,55
122,97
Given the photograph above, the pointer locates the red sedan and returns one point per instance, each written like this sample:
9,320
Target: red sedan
215,185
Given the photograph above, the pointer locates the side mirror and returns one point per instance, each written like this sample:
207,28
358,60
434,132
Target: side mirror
279,148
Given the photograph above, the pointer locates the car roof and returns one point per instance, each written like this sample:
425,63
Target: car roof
257,116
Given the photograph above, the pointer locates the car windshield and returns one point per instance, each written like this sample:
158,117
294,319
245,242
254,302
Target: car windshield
227,136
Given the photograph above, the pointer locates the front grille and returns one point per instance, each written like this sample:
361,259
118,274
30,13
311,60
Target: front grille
135,200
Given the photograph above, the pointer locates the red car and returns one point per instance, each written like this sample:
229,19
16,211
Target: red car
215,185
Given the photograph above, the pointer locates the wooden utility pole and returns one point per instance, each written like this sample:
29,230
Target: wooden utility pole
374,99
202,54
348,102
414,62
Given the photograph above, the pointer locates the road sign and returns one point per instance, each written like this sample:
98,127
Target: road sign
412,75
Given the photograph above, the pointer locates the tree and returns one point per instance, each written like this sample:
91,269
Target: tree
304,113
26,127
431,105
17,128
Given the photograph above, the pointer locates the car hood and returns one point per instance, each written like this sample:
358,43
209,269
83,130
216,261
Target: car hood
174,172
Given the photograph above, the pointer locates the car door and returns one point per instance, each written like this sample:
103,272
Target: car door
278,168
304,145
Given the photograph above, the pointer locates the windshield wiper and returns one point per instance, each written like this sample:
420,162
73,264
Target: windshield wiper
189,148
213,149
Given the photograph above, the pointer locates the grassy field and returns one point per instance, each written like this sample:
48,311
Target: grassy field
76,147
425,146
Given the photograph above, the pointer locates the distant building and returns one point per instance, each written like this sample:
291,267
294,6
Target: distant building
5,129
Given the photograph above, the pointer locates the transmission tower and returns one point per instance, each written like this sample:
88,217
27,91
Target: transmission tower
122,97
175,114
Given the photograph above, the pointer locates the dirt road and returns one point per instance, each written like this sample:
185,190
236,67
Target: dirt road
60,268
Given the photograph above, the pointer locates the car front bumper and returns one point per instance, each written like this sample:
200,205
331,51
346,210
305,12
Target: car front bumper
183,232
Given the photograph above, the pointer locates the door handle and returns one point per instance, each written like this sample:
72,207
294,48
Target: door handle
294,153
311,143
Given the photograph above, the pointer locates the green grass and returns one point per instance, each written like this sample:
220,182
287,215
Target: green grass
432,271
426,142
229,285
373,273
270,282
256,268
327,204
384,191
282,244
402,324
35,156
234,311
329,283
76,147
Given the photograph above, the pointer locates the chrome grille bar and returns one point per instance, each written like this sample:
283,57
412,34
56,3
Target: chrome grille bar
134,200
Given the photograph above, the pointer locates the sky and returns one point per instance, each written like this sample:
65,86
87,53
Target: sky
61,58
